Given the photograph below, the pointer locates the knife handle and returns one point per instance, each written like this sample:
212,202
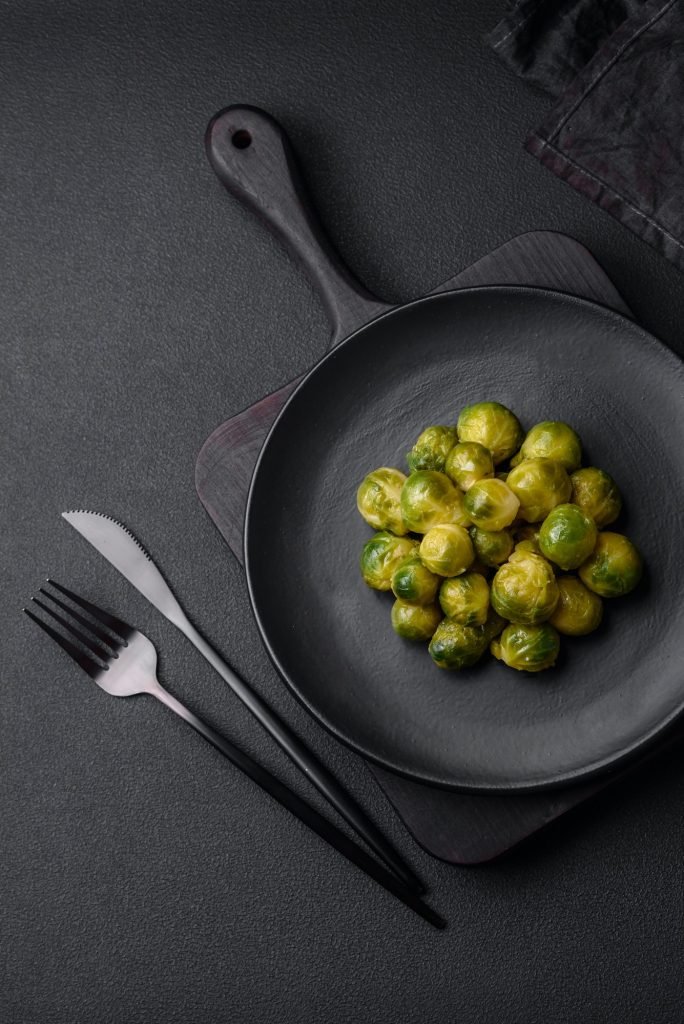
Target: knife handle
301,809
307,762
253,158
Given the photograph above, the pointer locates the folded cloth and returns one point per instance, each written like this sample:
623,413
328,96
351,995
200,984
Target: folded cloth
616,133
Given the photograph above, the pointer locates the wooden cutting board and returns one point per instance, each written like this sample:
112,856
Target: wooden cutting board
458,828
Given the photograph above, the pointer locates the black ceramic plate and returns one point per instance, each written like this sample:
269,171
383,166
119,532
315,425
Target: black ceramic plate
547,356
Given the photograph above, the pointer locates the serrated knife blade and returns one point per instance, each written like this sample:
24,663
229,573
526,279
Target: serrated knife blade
126,553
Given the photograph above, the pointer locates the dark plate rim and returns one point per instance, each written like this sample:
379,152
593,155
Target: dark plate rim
558,780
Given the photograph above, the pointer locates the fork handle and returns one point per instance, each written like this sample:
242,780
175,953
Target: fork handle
302,810
306,761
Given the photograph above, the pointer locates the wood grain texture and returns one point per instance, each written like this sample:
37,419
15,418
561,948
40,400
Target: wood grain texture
252,156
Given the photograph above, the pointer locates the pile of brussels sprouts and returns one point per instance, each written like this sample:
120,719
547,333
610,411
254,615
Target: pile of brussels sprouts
479,542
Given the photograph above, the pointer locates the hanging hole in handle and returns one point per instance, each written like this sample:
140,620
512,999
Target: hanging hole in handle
241,139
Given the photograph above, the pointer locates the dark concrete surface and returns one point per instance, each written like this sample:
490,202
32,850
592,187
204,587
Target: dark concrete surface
141,878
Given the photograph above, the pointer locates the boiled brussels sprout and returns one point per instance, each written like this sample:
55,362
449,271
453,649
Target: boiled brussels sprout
493,626
524,589
493,426
455,646
378,500
578,611
381,555
412,581
468,462
597,494
552,440
526,523
465,599
614,568
429,498
528,531
492,547
431,449
527,539
567,536
527,648
415,621
446,550
491,504
539,485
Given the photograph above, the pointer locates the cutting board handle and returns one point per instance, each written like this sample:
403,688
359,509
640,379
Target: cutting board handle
253,158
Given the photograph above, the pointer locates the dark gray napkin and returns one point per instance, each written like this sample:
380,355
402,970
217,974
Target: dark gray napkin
616,132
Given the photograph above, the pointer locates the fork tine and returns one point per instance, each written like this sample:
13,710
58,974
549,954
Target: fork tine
86,663
106,618
87,641
107,638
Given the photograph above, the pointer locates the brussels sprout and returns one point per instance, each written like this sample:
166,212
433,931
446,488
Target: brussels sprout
429,498
552,440
614,568
378,500
528,531
455,646
491,425
411,581
381,555
431,449
465,599
491,505
527,648
493,625
578,610
492,547
524,589
447,550
567,536
597,494
415,621
468,462
539,485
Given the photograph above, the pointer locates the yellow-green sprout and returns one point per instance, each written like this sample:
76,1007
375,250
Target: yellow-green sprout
454,646
527,648
465,599
492,547
493,426
614,568
378,500
493,626
528,531
491,504
524,589
429,498
415,621
447,550
578,611
468,462
539,485
597,494
412,581
381,555
567,536
552,440
431,449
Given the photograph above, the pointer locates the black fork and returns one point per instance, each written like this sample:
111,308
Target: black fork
123,662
